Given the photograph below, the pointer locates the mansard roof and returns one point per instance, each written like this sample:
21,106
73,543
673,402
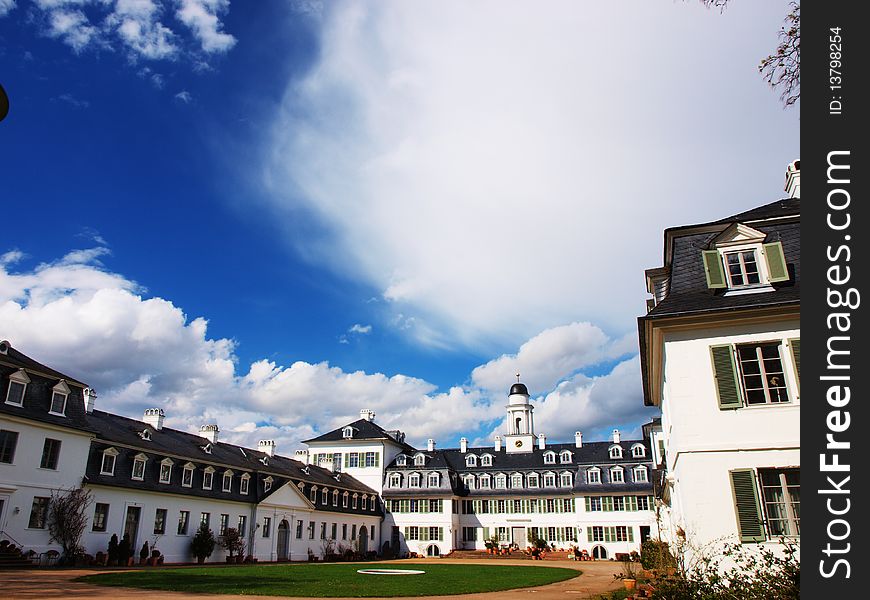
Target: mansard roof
15,358
363,430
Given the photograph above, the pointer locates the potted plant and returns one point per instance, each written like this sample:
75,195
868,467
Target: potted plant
233,543
203,543
143,554
112,551
628,574
125,552
155,557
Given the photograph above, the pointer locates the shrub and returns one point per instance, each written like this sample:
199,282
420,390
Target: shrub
203,543
232,542
112,550
655,554
67,520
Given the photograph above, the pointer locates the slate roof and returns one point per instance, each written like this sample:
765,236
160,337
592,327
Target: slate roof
38,393
364,430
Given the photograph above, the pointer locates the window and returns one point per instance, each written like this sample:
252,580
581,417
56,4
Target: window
183,521
617,475
434,480
742,268
471,460
354,501
267,527
107,466
336,462
638,451
267,484
207,478
139,467
58,403
353,532
228,481
365,502
762,374
334,499
469,534
313,494
414,480
593,475
244,484
165,470
344,531
324,496
204,518
593,504
38,513
372,459
549,480
299,525
640,475
101,515
17,384
469,481
224,524
323,531
615,452
395,480
243,524
739,267
344,498
780,492
419,460
401,460
500,481
566,479
334,531
160,521
347,433
516,480
485,482
353,459
549,458
311,530
643,502
565,457
8,443
532,480
486,460
50,454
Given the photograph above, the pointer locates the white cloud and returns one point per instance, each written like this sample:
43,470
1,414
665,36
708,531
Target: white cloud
184,96
137,24
361,329
201,16
139,351
495,169
6,7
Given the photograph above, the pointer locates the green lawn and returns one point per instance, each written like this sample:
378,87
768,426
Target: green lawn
332,580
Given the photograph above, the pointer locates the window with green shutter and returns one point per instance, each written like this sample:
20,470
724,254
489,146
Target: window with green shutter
749,521
777,270
713,269
725,372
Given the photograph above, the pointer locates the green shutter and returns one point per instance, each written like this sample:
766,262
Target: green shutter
588,534
630,533
795,345
776,267
713,269
749,523
486,533
725,371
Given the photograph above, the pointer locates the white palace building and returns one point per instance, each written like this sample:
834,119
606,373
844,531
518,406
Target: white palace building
358,486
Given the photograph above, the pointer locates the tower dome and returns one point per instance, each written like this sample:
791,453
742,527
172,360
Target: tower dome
519,388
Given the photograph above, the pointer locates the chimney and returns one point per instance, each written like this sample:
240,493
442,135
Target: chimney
463,445
793,179
90,398
542,441
267,447
497,443
578,439
302,456
210,432
152,416
615,436
368,415
430,445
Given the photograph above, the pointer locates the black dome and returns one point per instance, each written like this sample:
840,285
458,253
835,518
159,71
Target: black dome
519,388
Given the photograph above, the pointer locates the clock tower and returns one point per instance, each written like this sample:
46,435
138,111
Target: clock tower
521,423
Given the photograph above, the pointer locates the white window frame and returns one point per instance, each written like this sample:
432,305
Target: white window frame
471,460
20,377
62,391
740,252
501,481
565,457
517,478
419,460
593,475
566,479
759,361
244,484
347,433
401,460
638,451
550,458
109,453
485,482
353,502
615,451
640,475
617,475
792,519
414,480
335,498
267,484
470,481
433,480
227,475
166,462
395,480
486,460
187,475
549,479
344,498
208,478
139,459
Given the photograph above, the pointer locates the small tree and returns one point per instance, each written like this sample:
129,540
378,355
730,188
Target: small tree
327,547
67,520
112,551
203,543
232,542
125,551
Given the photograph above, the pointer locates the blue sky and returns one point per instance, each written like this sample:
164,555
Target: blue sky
273,214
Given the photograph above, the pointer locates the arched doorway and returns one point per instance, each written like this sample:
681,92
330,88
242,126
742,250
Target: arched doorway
599,552
363,540
283,540
433,551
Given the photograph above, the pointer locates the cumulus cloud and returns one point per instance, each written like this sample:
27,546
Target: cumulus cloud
142,29
139,351
495,169
6,7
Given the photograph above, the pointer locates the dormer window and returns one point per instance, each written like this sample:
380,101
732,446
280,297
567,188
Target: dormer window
354,501
414,480
59,394
207,478
139,467
532,480
344,498
485,481
469,481
187,475
517,480
566,479
486,460
347,433
615,452
165,470
500,481
593,475
301,486
401,460
313,495
434,480
107,466
471,460
267,484
145,434
640,474
617,475
244,484
228,481
420,460
549,458
395,480
638,451
365,503
324,496
565,457
335,497
17,385
549,480
741,261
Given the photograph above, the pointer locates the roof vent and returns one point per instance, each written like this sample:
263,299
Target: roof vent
4,347
154,417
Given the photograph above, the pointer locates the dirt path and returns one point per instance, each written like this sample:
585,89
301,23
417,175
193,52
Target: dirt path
39,584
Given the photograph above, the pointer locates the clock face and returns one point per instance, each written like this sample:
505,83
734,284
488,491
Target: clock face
518,443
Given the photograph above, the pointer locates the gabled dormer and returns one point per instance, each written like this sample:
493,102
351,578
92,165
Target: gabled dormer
59,395
17,385
401,460
739,261
347,432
